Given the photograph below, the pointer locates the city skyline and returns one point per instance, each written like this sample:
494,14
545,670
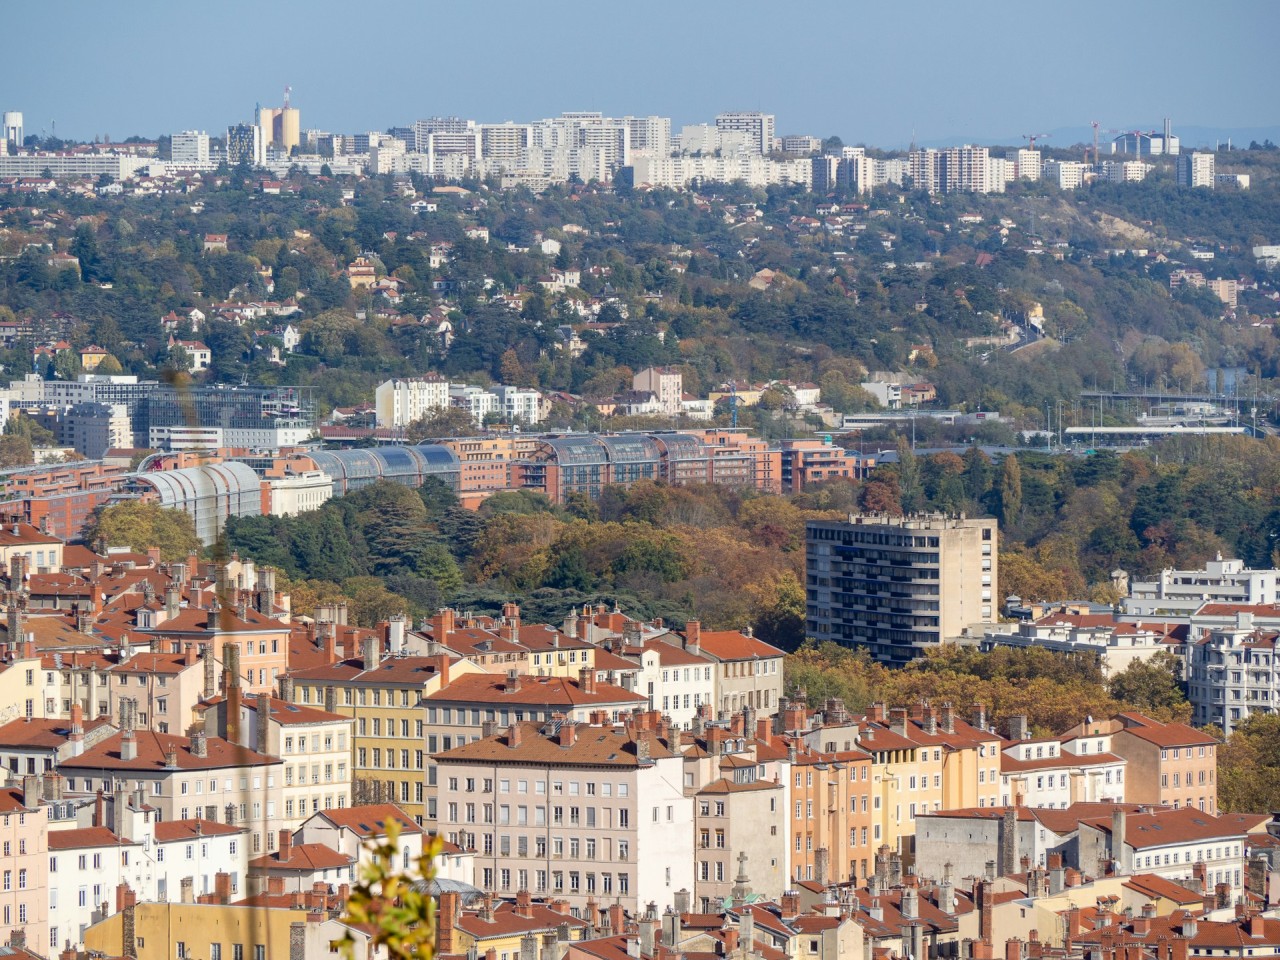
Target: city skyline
689,66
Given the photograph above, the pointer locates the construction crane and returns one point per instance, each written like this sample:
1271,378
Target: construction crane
1031,138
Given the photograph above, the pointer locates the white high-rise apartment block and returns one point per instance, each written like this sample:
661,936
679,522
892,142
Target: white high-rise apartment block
1067,174
505,146
398,403
422,129
999,172
13,128
926,169
650,133
1027,164
965,169
1123,171
1195,170
190,148
759,128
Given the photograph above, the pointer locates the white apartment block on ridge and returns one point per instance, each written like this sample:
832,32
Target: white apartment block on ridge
1181,592
398,403
1196,170
190,148
759,128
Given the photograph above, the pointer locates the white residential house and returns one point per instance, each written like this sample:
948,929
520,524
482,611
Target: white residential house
400,402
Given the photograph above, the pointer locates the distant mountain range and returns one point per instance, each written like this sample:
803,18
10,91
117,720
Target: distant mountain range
1192,137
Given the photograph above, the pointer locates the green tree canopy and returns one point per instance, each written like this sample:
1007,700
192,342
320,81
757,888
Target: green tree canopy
143,525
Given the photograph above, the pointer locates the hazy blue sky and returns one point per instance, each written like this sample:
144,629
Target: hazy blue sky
870,72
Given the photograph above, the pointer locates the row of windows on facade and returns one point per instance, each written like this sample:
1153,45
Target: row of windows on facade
575,788
215,950
484,813
602,883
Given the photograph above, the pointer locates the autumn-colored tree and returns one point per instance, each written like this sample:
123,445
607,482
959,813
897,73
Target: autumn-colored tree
141,526
447,422
1249,766
1153,687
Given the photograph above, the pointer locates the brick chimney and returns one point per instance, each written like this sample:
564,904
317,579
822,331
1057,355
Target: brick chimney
568,734
443,624
587,680
222,887
513,736
511,622
693,636
125,897
77,723
286,846
791,903
524,904
512,683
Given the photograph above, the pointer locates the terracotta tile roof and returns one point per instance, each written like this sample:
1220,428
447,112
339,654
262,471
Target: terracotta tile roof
368,820
1153,885
152,748
734,645
21,534
506,922
199,621
42,733
592,746
11,801
168,831
605,660
1163,734
284,712
398,670
669,655
58,584
303,856
728,786
491,689
1170,827
1062,761
145,662
82,837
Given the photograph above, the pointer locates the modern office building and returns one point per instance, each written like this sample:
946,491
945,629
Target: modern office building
1195,170
245,145
190,148
759,128
898,585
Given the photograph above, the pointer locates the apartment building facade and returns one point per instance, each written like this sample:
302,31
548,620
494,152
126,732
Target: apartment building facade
564,808
899,585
